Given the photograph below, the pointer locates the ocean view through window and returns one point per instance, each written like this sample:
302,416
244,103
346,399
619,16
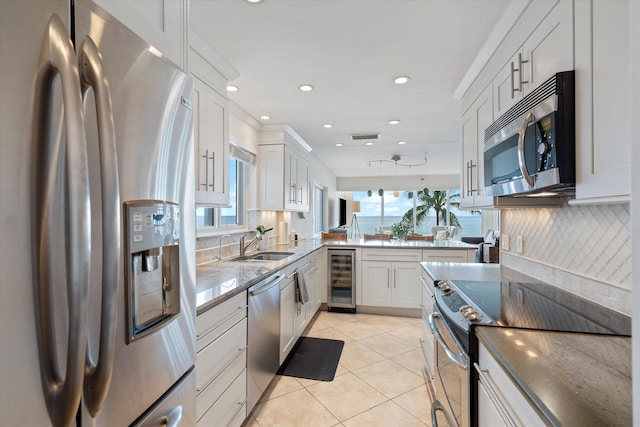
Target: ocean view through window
372,214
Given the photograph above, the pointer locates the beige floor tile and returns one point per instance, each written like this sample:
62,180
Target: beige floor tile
358,331
280,386
410,334
417,403
293,410
355,356
329,333
389,378
386,323
251,422
387,345
413,360
336,319
316,326
355,396
308,383
413,321
388,414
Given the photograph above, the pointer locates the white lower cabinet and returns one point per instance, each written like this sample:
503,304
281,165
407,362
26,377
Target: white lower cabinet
500,401
221,363
390,278
295,317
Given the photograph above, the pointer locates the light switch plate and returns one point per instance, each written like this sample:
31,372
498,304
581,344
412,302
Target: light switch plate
519,244
504,242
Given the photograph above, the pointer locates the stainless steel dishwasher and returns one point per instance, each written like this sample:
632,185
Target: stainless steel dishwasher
263,336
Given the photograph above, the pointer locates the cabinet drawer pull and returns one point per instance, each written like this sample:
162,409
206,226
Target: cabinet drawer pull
240,308
224,368
486,384
206,170
235,414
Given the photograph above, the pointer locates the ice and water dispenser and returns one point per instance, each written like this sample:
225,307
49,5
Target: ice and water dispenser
153,265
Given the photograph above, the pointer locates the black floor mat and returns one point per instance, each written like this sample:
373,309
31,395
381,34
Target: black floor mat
313,359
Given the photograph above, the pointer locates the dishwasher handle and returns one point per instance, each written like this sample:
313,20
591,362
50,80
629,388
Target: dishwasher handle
265,285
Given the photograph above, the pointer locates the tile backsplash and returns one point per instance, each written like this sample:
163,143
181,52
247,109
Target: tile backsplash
583,249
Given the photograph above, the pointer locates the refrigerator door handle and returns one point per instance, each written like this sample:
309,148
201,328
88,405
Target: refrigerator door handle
98,375
57,58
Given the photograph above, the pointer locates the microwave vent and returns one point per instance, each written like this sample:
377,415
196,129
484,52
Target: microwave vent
365,136
554,86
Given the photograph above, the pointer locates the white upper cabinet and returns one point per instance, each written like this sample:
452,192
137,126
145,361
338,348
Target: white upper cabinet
283,173
211,144
210,121
603,122
476,119
547,51
161,23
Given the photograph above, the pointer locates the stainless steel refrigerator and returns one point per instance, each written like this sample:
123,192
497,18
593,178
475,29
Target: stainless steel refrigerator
97,243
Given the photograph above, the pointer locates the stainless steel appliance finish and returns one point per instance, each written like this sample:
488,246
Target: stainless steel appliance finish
342,279
263,336
87,125
530,149
516,301
452,374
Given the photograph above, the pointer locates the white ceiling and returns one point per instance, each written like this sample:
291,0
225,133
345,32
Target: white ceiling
351,50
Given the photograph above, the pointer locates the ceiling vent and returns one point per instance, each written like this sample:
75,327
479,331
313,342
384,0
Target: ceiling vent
365,136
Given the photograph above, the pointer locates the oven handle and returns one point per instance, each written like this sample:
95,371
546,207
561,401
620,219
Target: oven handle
459,359
437,406
521,159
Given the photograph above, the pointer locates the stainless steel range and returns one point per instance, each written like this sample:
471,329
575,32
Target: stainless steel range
517,301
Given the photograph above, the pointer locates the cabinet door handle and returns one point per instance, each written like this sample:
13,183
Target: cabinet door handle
471,189
486,384
213,171
292,193
206,170
519,70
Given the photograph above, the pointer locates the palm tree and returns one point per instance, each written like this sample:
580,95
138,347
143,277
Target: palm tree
436,200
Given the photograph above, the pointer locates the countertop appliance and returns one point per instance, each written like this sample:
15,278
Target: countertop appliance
97,300
516,301
530,149
342,280
263,336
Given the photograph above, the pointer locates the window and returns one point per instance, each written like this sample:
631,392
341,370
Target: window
228,217
376,210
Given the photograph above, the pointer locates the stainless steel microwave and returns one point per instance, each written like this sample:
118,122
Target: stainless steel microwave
530,149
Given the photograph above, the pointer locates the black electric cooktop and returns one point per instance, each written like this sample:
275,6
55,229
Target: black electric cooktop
532,306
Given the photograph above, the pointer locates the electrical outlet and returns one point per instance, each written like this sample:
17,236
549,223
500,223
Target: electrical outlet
519,244
504,242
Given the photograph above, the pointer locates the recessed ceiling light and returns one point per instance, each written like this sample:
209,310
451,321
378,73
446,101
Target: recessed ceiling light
402,142
338,144
254,1
368,143
327,125
232,88
400,80
394,122
305,88
265,117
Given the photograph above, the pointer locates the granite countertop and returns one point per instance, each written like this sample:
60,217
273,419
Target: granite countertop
573,379
217,281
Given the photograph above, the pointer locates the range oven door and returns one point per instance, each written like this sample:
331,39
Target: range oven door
452,377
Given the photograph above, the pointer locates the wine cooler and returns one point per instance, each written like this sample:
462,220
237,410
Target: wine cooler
342,280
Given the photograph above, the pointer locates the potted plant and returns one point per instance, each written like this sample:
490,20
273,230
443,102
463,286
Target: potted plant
263,243
400,229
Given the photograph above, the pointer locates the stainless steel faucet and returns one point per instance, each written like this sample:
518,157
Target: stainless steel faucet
244,247
220,244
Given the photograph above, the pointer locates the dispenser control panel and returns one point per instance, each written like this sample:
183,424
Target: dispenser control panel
152,224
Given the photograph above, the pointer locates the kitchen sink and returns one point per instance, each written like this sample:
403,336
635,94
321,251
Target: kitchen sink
263,256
